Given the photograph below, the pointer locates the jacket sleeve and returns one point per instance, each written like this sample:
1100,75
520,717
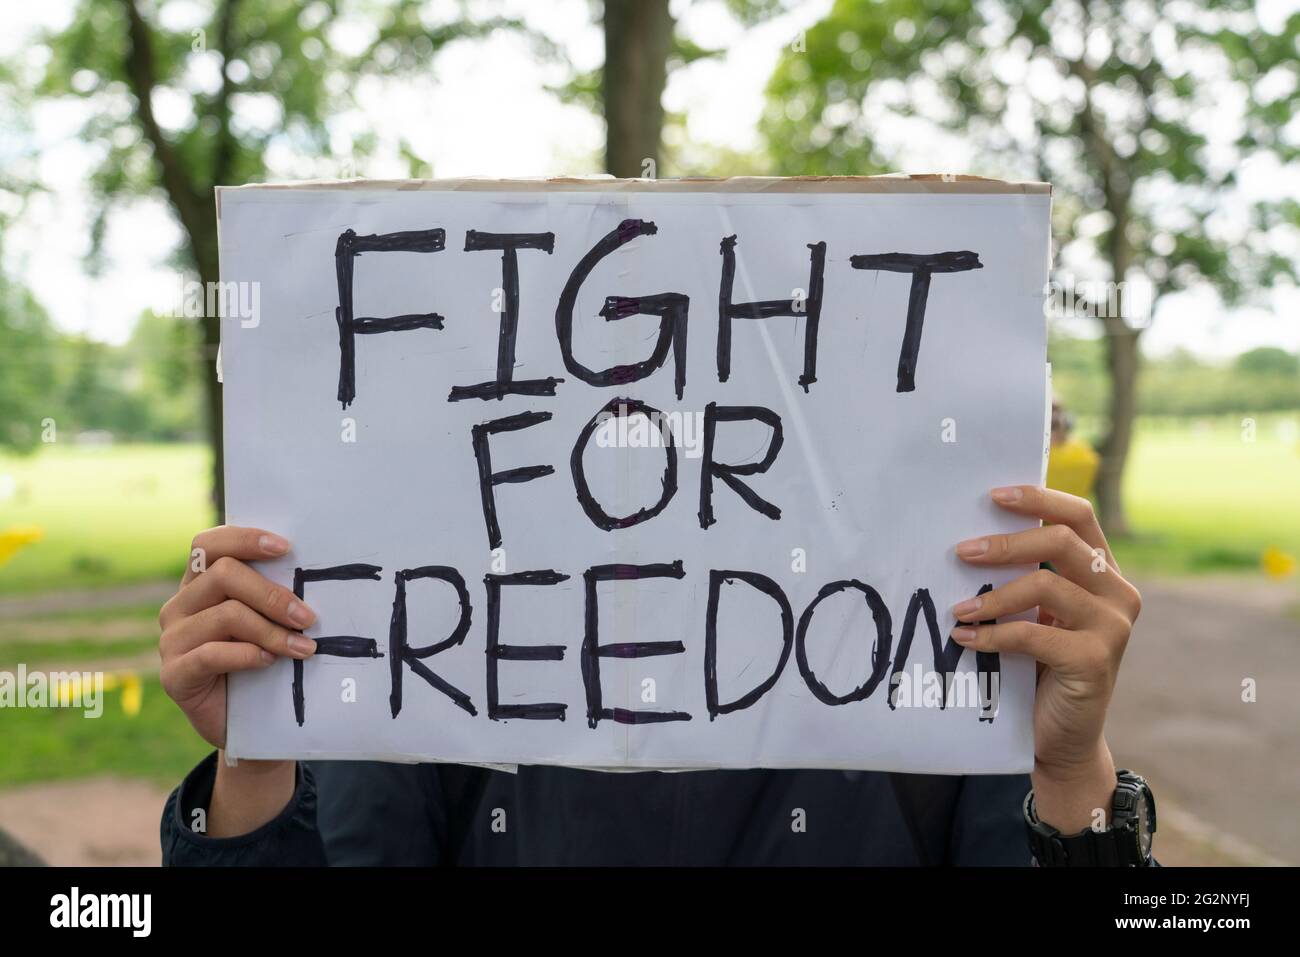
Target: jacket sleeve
988,828
291,839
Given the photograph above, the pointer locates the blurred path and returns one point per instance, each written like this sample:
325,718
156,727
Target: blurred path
100,821
89,599
1229,769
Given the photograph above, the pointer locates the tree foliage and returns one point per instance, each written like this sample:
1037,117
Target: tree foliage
27,367
1146,117
187,96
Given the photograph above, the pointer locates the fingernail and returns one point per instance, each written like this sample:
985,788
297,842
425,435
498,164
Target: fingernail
973,547
273,544
1007,495
963,635
300,614
300,645
966,608
267,657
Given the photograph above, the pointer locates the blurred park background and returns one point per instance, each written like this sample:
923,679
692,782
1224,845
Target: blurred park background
1167,129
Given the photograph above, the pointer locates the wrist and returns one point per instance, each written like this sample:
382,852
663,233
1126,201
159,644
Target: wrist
1073,797
248,794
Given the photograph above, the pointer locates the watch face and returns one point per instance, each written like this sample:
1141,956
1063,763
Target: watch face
1143,813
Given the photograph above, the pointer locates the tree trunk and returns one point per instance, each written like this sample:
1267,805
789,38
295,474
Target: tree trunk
1122,361
638,39
203,253
194,206
212,396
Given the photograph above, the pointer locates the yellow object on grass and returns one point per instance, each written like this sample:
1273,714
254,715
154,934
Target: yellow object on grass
132,694
69,689
1277,563
17,537
1072,467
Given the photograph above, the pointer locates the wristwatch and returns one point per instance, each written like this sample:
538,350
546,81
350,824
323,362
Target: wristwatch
1125,843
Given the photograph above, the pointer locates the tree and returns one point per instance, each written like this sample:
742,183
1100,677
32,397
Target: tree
644,45
27,368
638,41
1142,115
163,355
244,75
1269,361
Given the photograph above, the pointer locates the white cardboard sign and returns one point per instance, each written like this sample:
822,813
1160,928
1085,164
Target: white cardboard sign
635,475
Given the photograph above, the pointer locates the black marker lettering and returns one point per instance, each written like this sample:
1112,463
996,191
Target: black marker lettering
348,248
810,307
593,650
713,413
400,652
497,652
341,646
946,656
624,407
879,650
487,479
670,307
504,385
921,267
773,591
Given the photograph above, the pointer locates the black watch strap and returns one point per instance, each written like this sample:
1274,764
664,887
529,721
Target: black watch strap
1125,843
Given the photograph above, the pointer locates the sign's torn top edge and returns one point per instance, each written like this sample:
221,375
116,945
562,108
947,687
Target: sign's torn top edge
887,183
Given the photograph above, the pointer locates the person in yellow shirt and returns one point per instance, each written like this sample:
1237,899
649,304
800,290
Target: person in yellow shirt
1072,463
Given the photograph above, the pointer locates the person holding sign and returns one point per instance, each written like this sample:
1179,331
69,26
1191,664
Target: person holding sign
228,618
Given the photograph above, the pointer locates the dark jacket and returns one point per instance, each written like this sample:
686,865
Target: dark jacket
368,813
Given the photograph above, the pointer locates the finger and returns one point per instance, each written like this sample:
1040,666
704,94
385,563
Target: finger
233,620
1058,544
194,671
1059,508
245,544
1068,605
1043,643
230,578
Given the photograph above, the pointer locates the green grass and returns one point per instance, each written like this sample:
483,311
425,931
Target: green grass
34,653
71,617
1200,498
79,636
109,515
52,743
46,744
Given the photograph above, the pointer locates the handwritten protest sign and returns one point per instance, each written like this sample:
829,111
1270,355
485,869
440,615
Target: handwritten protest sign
632,474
